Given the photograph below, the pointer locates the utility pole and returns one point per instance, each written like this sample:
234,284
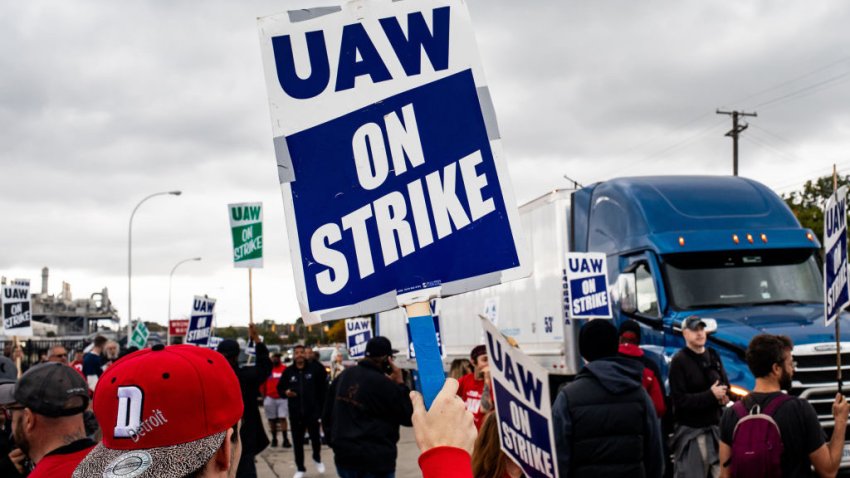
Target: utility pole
736,130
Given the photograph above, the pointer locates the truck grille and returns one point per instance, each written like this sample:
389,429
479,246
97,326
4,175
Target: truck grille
815,380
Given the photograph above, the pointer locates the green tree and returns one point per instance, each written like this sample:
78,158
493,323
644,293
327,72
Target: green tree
808,204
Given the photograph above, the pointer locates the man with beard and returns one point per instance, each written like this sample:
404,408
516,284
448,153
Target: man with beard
304,387
769,359
46,406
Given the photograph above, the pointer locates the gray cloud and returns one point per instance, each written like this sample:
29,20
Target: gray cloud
103,103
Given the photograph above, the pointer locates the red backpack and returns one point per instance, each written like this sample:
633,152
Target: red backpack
756,441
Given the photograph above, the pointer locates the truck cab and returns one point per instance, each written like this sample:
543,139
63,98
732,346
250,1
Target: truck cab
726,249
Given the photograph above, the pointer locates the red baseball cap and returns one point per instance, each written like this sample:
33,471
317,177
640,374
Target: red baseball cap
164,412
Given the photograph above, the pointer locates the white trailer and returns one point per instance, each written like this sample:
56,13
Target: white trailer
532,311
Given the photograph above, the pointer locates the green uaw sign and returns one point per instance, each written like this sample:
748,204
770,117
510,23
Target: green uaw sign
246,227
140,335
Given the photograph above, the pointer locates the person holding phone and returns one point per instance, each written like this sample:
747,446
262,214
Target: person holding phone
364,409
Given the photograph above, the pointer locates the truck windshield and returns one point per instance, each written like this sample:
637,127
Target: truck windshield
743,278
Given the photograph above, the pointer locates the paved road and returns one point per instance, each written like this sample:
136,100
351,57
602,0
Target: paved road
280,462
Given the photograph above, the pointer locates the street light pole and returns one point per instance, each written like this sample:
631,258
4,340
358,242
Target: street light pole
170,277
130,262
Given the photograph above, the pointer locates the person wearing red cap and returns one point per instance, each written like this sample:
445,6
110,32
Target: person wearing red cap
46,406
471,385
167,412
630,347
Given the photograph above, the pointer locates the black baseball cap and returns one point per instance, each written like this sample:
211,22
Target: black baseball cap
50,389
692,323
379,347
8,371
228,347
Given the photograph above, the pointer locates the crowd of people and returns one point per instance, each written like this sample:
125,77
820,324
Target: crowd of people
185,411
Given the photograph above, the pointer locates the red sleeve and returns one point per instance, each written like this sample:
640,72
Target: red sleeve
653,387
445,462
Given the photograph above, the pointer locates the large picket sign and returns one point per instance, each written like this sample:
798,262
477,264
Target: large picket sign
357,334
17,309
521,393
389,155
587,283
835,273
246,228
201,321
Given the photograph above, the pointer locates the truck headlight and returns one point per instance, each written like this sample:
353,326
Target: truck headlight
738,391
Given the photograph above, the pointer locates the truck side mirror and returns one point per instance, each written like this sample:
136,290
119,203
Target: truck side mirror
627,292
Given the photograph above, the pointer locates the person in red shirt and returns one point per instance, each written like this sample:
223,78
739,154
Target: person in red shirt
445,434
47,405
471,385
277,409
630,347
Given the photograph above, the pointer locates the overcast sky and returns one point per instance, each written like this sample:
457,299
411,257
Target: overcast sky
103,103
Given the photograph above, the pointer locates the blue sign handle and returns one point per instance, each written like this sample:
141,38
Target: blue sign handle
428,359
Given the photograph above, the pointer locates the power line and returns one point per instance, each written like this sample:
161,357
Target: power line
674,146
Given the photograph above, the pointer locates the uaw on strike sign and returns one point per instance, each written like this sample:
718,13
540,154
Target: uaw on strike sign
358,332
17,309
523,411
246,227
587,284
201,321
388,155
835,272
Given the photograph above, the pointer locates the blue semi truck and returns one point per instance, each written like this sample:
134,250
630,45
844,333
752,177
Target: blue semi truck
726,249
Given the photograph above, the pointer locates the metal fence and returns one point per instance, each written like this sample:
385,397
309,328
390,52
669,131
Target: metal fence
35,347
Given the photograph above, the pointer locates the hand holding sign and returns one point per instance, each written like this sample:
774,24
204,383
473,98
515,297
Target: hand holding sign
447,423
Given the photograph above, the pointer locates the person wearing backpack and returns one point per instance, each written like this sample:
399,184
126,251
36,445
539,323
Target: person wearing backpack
772,434
698,392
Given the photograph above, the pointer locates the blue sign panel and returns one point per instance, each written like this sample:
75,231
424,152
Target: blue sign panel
389,156
836,288
201,321
587,283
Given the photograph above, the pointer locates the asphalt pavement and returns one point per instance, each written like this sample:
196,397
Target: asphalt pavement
280,462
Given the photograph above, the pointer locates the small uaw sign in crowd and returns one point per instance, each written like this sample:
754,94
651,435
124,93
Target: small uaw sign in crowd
523,411
246,227
17,309
587,282
357,334
388,154
201,321
835,282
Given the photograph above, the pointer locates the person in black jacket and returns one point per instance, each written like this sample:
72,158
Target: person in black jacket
698,392
304,385
252,434
366,405
604,421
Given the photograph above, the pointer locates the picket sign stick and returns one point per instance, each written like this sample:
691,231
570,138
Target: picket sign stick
250,296
837,320
428,359
15,346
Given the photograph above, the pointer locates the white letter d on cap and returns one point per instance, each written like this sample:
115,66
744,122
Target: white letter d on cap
129,411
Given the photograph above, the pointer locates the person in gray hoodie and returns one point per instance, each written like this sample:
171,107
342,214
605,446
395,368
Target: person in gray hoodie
605,423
